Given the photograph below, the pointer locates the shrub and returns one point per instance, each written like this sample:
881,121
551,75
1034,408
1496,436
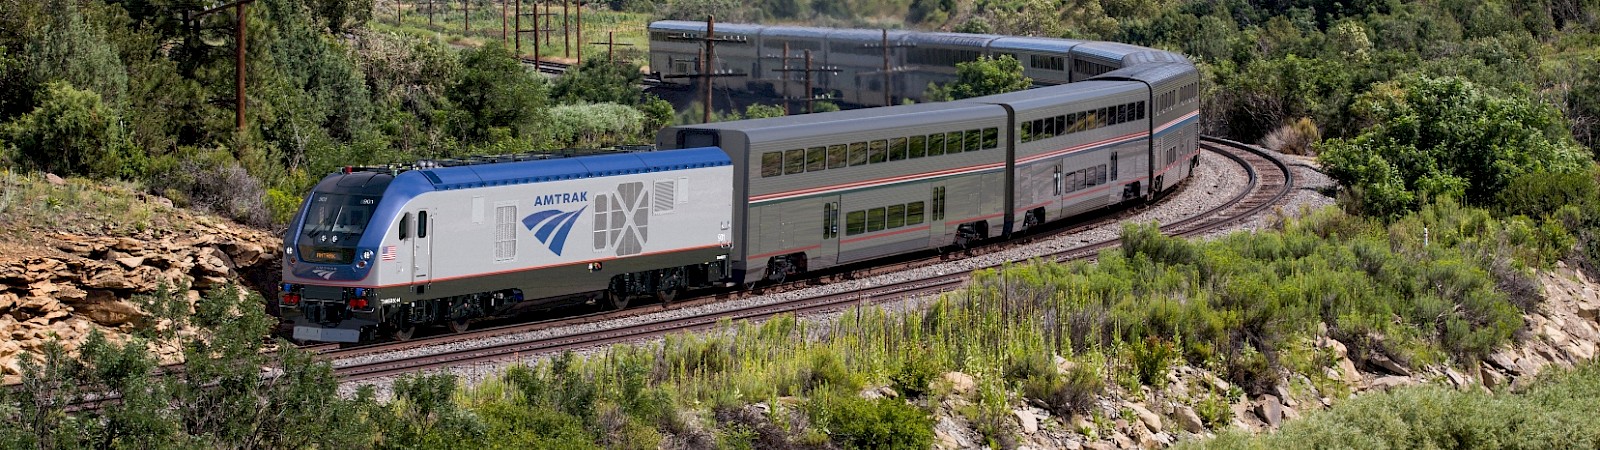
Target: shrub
72,131
1152,357
1295,138
1446,137
1065,395
915,374
883,423
1214,411
1540,194
826,370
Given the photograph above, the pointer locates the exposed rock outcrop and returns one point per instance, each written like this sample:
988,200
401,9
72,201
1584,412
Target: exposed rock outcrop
65,285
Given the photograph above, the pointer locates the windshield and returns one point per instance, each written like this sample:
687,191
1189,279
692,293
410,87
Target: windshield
333,224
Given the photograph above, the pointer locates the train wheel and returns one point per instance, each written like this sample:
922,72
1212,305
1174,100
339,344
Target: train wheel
616,301
666,296
404,333
459,325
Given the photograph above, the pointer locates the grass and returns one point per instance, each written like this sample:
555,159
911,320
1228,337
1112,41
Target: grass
1557,411
29,203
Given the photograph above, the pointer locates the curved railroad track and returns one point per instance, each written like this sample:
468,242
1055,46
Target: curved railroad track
1269,182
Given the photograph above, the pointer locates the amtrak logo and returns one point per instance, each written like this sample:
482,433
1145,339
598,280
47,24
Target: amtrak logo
325,272
552,226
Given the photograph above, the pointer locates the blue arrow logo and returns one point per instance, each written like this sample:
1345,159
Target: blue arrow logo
553,226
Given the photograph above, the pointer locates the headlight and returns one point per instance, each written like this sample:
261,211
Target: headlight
288,251
366,254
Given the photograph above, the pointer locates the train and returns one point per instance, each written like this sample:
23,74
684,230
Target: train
381,252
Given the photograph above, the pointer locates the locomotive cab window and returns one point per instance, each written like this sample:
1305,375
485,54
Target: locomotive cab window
405,227
333,224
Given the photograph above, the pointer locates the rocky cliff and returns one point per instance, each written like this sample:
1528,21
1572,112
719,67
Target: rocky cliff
64,284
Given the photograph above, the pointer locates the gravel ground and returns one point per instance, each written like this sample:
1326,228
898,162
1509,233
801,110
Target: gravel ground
1215,180
1309,184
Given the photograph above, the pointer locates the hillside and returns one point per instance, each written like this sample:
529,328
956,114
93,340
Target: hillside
78,255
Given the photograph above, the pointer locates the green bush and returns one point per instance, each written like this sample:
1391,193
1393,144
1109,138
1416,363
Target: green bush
916,372
1068,394
1152,358
883,423
73,132
1541,194
1434,138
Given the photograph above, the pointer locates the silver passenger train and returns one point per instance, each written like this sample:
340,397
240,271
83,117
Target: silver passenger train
1111,123
381,252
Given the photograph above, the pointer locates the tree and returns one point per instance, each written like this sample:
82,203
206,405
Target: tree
600,81
762,111
1446,137
73,132
986,76
495,97
340,16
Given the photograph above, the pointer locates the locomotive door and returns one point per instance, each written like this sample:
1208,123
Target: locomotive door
422,248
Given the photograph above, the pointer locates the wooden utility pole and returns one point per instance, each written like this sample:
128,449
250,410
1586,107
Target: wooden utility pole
240,16
706,65
579,31
516,31
566,35
503,23
466,16
535,30
397,5
809,70
888,94
611,44
430,13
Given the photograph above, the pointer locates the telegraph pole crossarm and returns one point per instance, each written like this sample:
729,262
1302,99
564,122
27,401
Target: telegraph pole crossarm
887,68
809,99
611,44
708,58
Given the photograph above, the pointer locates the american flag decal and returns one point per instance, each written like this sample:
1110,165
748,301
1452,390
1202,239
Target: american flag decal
389,253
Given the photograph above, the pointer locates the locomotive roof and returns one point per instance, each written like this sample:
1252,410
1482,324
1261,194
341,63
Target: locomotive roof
521,172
